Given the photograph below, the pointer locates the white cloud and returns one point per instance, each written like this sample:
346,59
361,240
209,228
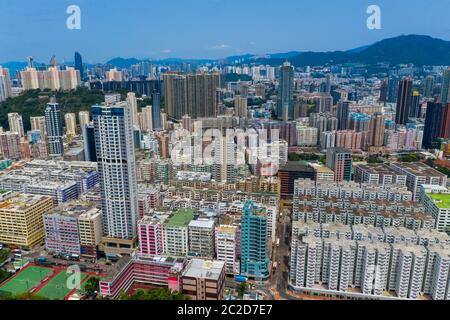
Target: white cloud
222,46
167,51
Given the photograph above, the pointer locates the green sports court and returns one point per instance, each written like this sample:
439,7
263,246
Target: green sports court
57,288
25,280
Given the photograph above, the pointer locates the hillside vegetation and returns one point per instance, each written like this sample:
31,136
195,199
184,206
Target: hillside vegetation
33,103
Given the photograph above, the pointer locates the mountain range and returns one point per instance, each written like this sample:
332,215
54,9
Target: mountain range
416,49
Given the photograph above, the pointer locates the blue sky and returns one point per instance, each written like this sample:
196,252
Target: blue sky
205,28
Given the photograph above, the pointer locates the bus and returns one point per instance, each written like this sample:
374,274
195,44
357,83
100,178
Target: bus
278,242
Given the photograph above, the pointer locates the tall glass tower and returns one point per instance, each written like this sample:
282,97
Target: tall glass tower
285,108
55,133
255,260
117,169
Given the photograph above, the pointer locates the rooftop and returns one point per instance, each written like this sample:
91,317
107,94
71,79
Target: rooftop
442,201
21,202
181,218
204,269
208,224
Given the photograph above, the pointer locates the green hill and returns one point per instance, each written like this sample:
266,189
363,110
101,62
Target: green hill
33,103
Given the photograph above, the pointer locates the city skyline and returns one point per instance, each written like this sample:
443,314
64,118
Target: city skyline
301,28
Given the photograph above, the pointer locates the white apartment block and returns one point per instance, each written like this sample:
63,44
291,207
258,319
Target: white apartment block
330,258
201,238
226,243
418,174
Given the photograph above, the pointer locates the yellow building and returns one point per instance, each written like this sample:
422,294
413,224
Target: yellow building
21,222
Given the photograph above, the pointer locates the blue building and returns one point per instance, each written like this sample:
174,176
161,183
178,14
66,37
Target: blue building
255,262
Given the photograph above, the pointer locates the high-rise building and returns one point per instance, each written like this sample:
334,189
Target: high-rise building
70,120
445,122
84,118
5,84
146,123
16,124
201,90
114,75
414,112
342,113
21,222
433,122
175,232
340,161
29,78
436,200
186,121
10,145
445,90
255,262
156,111
117,174
79,64
55,133
226,240
90,153
392,89
175,95
404,101
38,124
132,102
376,130
428,88
285,109
150,237
240,106
201,238
384,91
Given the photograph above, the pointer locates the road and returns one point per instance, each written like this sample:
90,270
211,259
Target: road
277,287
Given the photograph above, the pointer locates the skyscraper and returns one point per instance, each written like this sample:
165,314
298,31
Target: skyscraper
432,124
156,111
132,101
16,124
428,87
54,126
79,64
342,113
84,118
445,122
202,94
175,95
340,161
146,123
117,175
445,90
70,120
376,130
240,106
392,94
384,91
255,260
38,124
414,112
90,153
404,101
285,109
5,84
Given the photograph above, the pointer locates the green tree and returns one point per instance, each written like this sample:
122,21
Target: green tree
92,285
241,289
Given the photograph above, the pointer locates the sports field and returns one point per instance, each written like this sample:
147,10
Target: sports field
57,288
25,280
